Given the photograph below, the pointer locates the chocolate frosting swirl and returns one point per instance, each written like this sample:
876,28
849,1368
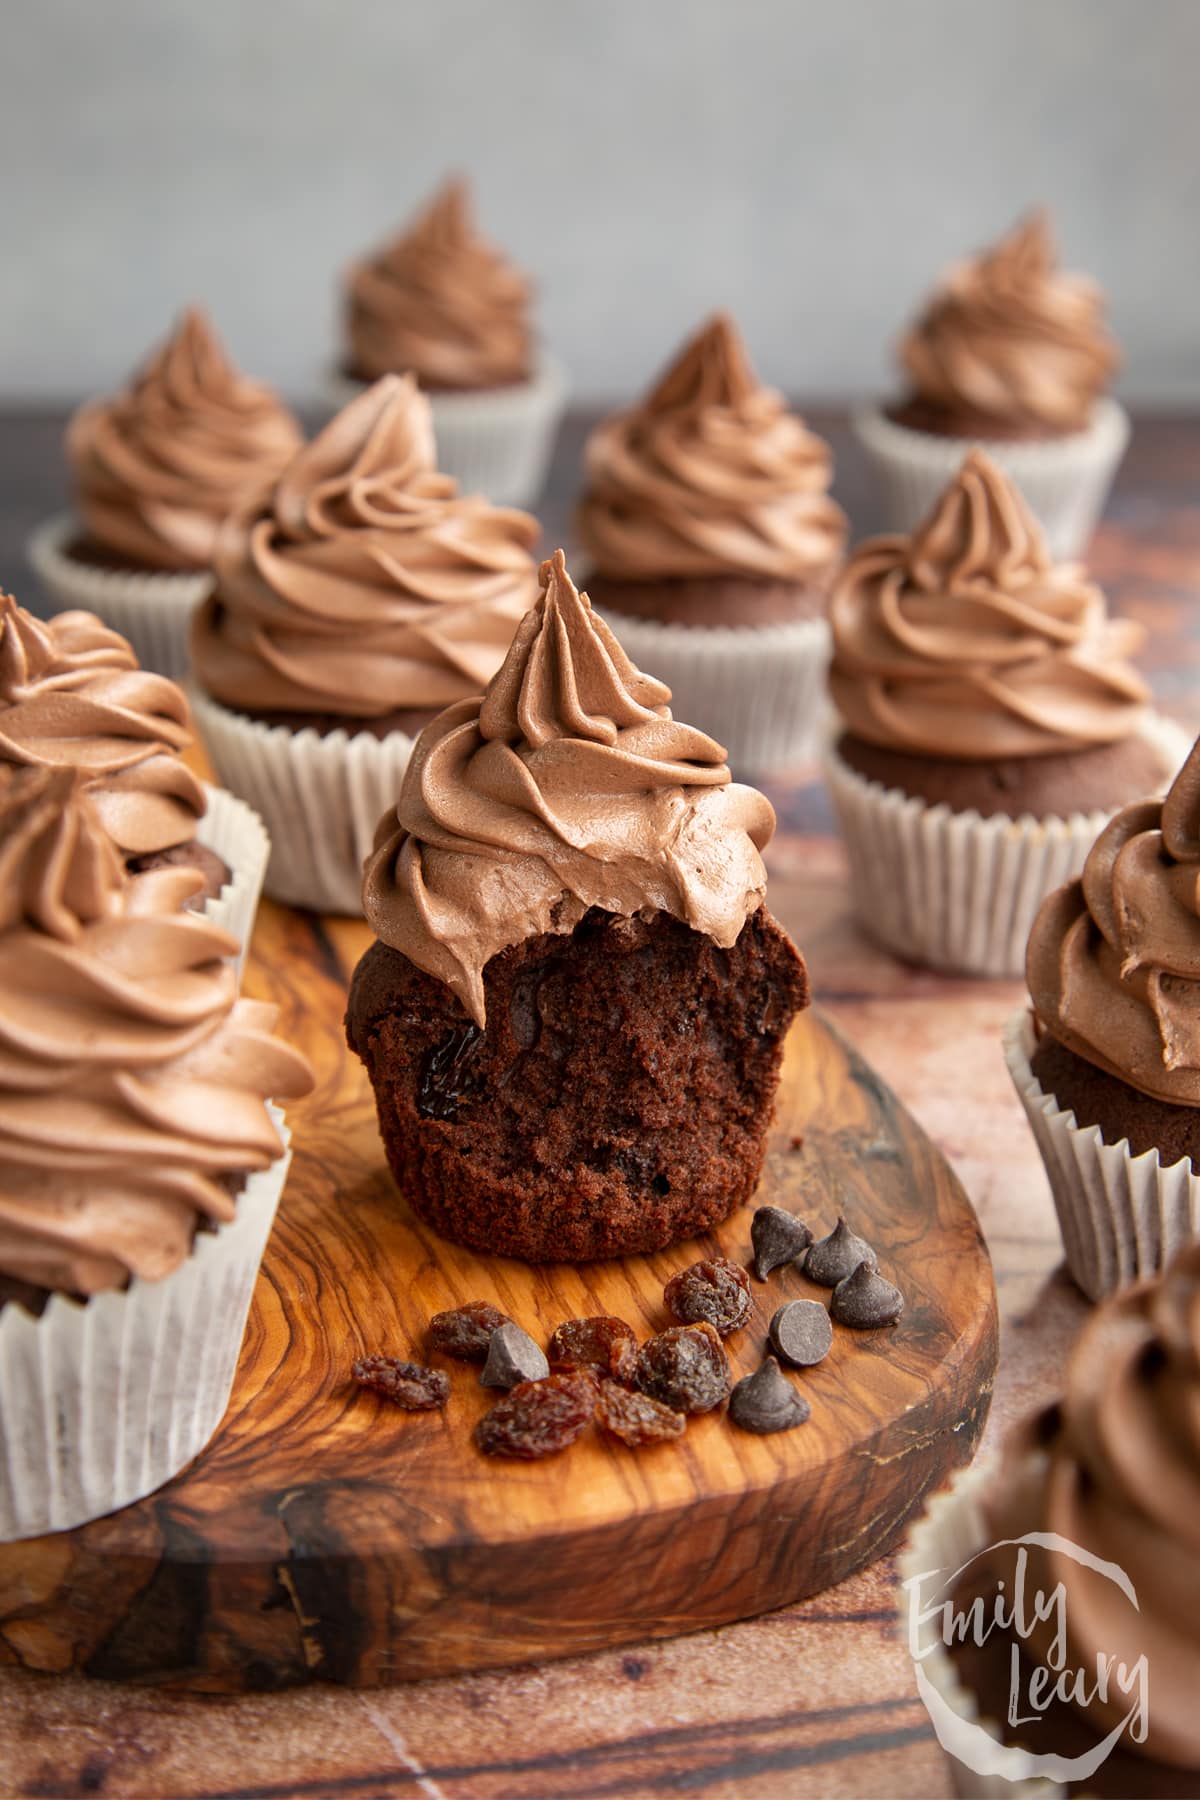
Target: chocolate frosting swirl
1115,1469
1113,962
710,475
567,786
966,641
132,1078
1012,336
72,697
158,466
367,584
440,301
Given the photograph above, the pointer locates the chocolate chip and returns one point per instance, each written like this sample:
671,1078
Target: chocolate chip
766,1401
801,1333
777,1237
865,1301
834,1257
512,1356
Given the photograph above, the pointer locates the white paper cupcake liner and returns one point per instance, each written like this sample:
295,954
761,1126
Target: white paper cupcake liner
153,611
496,442
952,890
1122,1217
760,691
950,1531
320,798
1065,480
238,836
103,1401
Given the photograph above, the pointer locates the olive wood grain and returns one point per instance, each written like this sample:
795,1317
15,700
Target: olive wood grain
326,1535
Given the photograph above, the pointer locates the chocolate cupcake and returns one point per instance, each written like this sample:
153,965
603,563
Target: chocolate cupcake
440,302
72,697
1093,1506
155,469
991,723
140,1166
713,540
1107,1064
358,599
573,1019
1012,353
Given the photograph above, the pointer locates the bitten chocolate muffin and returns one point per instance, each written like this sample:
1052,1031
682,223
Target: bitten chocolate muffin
574,1017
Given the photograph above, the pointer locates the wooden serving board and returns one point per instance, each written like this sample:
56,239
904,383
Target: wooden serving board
325,1535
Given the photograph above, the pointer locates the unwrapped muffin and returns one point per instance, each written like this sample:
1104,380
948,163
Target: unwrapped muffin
441,303
361,596
573,1018
712,540
1013,353
155,469
140,1167
991,722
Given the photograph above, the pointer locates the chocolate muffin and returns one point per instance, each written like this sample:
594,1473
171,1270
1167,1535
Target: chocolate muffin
991,722
713,538
574,960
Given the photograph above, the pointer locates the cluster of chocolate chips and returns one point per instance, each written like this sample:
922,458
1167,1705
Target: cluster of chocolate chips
801,1333
593,1370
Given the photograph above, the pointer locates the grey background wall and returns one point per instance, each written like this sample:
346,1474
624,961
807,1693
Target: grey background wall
808,163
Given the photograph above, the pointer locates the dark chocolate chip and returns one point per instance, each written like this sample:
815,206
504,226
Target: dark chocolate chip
865,1301
801,1333
766,1401
512,1356
834,1257
777,1237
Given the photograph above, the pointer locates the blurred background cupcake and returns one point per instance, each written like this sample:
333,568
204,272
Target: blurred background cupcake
440,302
710,540
140,1166
155,469
360,598
990,723
1107,1062
1092,1505
72,697
1011,352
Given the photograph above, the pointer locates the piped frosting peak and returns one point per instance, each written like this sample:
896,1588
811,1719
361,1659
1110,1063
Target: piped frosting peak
567,786
710,476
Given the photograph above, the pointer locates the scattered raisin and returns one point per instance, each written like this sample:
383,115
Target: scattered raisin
602,1343
715,1293
408,1384
635,1418
539,1418
467,1331
685,1367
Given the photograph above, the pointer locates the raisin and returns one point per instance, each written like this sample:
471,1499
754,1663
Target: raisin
715,1293
602,1343
539,1418
467,1331
408,1384
449,1078
635,1418
685,1367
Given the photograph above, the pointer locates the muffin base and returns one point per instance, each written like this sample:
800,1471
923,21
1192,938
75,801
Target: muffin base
1118,1111
617,1102
712,600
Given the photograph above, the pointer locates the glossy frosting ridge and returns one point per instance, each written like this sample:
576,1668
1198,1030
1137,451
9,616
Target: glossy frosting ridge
1115,1469
1011,335
568,785
73,697
366,583
710,475
159,465
440,301
133,1079
965,640
1113,962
